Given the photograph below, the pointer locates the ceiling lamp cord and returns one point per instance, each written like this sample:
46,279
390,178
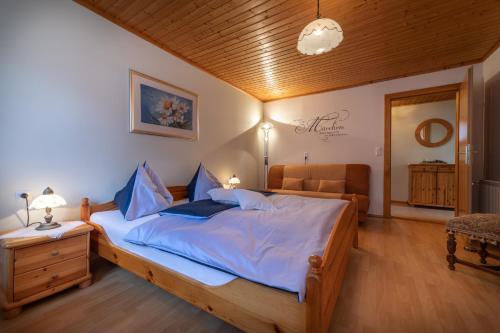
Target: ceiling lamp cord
317,12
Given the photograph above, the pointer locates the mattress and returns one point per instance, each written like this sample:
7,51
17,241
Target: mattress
116,227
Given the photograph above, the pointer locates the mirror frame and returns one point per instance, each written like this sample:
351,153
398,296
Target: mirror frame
428,122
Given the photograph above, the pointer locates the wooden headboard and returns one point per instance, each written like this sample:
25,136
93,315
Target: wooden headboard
86,209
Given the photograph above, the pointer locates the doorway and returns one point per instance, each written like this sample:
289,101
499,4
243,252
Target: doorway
421,150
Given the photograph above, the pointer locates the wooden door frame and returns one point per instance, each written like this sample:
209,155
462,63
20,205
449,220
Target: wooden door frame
455,87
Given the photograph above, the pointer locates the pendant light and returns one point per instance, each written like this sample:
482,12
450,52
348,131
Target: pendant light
320,36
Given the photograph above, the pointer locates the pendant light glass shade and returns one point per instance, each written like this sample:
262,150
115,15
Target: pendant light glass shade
320,36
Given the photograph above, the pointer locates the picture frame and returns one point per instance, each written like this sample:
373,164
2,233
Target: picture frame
160,108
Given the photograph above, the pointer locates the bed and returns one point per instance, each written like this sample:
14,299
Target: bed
250,306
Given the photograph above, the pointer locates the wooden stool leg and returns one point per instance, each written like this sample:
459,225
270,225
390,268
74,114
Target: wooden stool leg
483,253
452,247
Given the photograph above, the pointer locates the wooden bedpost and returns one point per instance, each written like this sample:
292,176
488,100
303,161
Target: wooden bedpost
85,210
313,296
355,216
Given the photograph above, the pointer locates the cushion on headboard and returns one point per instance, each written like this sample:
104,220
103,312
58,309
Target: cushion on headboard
311,184
290,183
331,186
356,176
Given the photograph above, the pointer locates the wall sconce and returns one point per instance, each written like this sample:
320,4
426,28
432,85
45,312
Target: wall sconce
266,127
233,182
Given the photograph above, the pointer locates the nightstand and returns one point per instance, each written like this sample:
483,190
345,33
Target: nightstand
36,267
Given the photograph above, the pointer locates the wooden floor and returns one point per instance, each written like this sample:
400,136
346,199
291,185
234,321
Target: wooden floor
421,213
397,281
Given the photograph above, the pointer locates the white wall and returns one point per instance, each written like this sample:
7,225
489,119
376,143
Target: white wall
491,66
365,128
64,110
406,150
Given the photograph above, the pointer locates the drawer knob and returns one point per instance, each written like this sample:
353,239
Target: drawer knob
54,253
55,277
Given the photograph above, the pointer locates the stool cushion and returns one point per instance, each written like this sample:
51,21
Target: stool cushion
483,227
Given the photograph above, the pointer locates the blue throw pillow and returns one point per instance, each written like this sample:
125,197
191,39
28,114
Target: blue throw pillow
161,188
140,197
192,184
123,197
204,183
201,209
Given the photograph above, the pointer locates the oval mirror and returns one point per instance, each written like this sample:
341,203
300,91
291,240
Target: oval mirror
434,132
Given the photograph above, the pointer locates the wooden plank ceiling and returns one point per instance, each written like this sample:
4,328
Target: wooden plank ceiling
437,97
252,44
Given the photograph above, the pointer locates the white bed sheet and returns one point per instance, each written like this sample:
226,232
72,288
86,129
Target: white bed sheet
117,227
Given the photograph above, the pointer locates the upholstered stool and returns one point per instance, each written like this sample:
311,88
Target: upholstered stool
482,227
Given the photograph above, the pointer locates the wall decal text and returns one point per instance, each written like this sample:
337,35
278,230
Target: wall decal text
326,126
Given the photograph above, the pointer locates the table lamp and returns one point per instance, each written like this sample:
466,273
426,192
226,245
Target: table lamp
48,200
233,182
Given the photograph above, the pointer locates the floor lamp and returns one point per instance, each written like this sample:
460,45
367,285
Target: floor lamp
266,127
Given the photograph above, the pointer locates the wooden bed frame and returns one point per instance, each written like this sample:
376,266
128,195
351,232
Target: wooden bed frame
249,306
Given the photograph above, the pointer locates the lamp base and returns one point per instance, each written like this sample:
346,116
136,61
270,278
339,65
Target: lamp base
48,226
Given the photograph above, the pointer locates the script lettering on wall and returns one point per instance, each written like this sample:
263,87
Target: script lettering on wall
325,126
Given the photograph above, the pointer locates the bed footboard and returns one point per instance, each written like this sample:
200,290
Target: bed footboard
326,273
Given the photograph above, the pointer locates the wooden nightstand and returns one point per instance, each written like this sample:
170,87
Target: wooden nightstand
36,267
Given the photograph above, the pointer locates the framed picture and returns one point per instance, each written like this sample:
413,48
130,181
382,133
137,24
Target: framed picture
159,108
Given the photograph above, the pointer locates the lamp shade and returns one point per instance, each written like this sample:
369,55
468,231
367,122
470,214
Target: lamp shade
234,180
266,126
47,200
320,36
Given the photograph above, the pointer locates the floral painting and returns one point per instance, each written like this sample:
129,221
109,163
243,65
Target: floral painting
159,108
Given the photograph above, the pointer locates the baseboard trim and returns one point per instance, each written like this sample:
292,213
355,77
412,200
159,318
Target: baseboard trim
399,202
408,218
419,219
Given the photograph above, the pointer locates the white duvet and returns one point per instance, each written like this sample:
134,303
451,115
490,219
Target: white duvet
268,247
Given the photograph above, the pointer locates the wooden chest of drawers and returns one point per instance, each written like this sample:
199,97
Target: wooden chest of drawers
431,185
33,268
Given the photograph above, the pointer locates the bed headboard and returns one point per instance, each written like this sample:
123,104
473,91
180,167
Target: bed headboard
86,209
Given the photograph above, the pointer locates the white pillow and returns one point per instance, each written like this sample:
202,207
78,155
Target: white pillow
223,195
252,200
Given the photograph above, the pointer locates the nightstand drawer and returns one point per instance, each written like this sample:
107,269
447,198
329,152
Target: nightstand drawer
33,257
38,280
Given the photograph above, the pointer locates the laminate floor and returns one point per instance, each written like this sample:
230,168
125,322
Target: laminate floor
407,211
397,281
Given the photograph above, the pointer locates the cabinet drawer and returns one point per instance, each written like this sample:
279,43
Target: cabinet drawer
42,255
423,168
33,282
447,168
